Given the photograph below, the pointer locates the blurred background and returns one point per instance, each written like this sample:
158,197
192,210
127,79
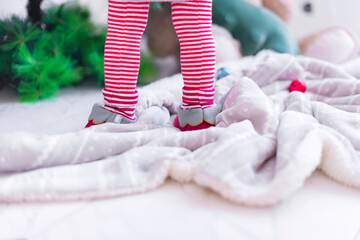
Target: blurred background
310,16
71,37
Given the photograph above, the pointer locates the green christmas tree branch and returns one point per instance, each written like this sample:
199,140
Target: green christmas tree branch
64,51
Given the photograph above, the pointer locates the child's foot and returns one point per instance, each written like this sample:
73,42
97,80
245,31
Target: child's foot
196,119
100,115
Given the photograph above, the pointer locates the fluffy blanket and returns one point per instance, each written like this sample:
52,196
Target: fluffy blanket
266,143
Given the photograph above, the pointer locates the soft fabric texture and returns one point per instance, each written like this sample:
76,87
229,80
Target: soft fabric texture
266,142
126,24
334,44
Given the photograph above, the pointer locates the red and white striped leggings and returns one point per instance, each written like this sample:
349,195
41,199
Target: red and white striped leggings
126,24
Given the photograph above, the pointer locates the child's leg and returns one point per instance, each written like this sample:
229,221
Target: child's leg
192,23
126,24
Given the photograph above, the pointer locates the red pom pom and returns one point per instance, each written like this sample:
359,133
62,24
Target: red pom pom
297,85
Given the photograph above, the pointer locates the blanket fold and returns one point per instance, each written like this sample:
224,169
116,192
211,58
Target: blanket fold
266,143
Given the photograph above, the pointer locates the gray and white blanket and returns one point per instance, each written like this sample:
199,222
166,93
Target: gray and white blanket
266,143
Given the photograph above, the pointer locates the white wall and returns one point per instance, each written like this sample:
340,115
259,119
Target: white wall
326,13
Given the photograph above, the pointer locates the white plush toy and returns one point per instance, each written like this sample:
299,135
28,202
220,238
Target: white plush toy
327,29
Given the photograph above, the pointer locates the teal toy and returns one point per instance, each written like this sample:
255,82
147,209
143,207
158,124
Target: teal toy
256,28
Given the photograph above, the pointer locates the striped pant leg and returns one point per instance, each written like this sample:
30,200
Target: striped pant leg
192,23
126,25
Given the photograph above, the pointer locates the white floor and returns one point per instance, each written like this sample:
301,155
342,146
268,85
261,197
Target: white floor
323,209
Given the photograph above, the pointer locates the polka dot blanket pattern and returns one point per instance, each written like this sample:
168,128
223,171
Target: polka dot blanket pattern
267,140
